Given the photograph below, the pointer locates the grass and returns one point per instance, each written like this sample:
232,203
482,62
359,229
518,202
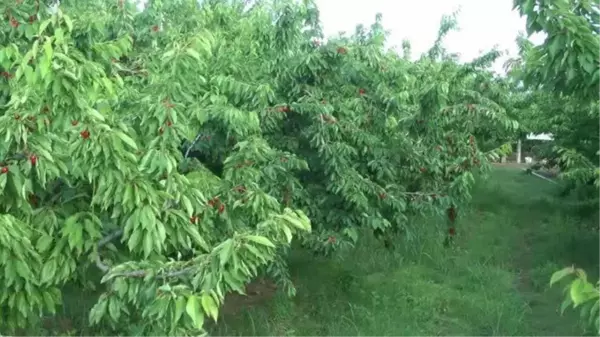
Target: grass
492,281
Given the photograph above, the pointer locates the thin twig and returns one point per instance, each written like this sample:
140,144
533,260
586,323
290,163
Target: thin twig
187,153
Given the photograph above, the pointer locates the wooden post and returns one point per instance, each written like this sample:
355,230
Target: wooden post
519,151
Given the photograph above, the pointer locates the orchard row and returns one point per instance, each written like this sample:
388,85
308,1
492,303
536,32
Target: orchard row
283,137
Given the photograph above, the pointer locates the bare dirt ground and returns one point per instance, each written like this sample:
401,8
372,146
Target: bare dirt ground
258,292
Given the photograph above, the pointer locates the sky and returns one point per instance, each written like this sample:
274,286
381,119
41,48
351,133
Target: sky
482,23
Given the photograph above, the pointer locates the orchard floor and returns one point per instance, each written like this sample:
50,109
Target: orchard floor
493,281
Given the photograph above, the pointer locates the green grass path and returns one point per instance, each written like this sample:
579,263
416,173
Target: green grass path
494,281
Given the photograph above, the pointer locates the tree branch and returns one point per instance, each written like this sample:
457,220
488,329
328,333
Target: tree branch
16,156
187,153
103,242
135,273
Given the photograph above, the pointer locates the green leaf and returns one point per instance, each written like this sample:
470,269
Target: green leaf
260,240
192,309
114,308
48,271
576,292
98,311
209,306
95,114
43,243
225,253
559,275
148,244
565,304
193,54
126,139
593,312
180,305
68,22
188,205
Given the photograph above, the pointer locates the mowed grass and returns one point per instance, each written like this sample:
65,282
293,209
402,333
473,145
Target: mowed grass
494,281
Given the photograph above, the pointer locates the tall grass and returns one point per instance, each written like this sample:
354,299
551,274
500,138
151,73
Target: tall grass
493,281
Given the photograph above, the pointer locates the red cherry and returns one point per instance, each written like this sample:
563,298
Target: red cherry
4,169
193,219
341,50
33,199
213,201
74,122
362,91
423,170
167,104
169,123
221,208
161,130
451,212
155,28
17,117
382,195
33,159
14,23
85,134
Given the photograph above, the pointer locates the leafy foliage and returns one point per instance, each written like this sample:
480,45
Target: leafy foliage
566,68
180,149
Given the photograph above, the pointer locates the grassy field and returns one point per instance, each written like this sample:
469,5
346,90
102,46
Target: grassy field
493,281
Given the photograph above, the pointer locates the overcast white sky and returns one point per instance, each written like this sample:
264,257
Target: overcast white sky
482,23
